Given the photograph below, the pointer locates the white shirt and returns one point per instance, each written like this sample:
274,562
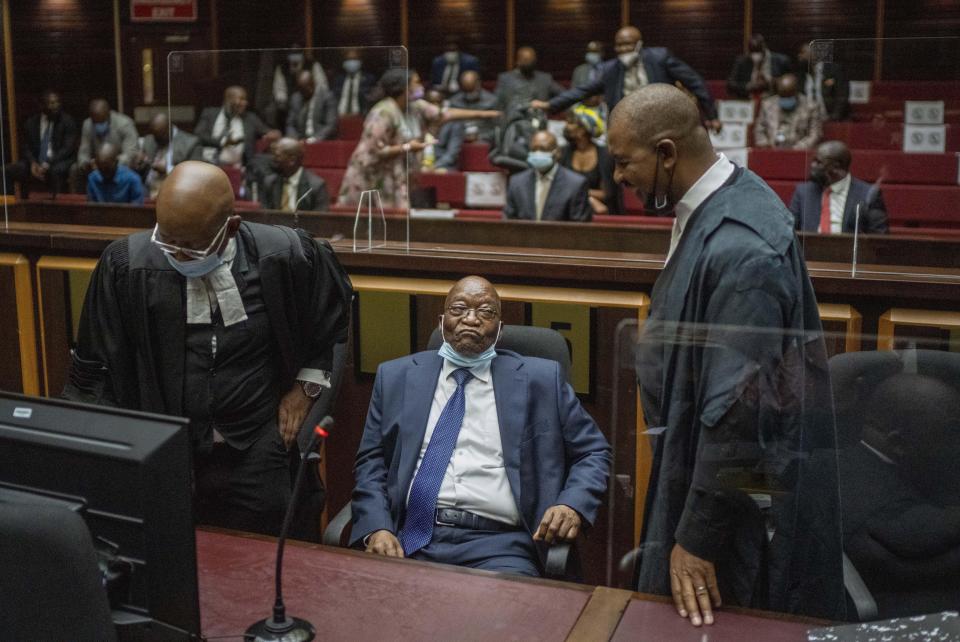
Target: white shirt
290,187
706,185
838,201
476,479
542,188
44,124
350,95
225,129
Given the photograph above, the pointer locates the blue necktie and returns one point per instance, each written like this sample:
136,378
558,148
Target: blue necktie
418,527
45,143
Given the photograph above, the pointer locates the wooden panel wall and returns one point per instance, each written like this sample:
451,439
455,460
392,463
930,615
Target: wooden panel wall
356,23
256,25
707,34
478,25
922,58
560,29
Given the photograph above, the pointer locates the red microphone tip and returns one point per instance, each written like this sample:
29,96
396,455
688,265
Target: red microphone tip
320,432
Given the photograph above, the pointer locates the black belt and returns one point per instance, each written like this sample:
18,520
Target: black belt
463,519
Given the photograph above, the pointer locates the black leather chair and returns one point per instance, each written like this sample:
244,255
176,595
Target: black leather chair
562,562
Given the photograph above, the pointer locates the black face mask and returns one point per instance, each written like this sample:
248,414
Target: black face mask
818,175
527,70
660,207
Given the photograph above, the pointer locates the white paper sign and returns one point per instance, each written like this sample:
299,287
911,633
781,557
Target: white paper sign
925,139
555,127
432,214
923,112
735,111
737,156
732,135
859,92
486,189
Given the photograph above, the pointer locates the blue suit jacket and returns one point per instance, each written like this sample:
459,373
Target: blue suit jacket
467,63
661,67
568,199
553,451
805,206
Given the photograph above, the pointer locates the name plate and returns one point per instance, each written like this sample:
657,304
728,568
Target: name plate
732,136
923,112
924,139
486,189
859,92
735,111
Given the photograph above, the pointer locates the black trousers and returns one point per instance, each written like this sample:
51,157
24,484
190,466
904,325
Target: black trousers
20,172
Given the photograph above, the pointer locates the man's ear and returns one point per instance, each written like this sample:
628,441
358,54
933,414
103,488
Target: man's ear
667,151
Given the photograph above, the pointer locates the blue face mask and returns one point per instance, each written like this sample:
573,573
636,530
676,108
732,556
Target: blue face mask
351,66
102,128
198,267
466,361
593,58
788,103
540,161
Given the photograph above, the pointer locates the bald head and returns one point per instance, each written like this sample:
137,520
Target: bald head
471,319
193,204
106,160
99,110
160,128
469,81
626,40
787,85
660,111
526,59
543,141
287,156
473,284
836,151
305,83
235,99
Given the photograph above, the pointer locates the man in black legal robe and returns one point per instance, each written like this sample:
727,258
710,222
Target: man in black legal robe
742,506
229,323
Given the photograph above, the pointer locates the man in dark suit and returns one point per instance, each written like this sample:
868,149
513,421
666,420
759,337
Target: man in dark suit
160,153
525,83
446,69
293,188
825,83
352,88
471,455
472,95
755,72
635,67
829,201
49,147
313,112
547,191
230,132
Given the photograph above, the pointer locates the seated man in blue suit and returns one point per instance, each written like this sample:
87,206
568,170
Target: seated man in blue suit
547,191
634,67
471,455
828,202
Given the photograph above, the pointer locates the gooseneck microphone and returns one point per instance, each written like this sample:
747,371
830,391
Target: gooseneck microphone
280,626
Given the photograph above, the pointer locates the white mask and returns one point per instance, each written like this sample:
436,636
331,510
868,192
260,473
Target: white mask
756,57
627,59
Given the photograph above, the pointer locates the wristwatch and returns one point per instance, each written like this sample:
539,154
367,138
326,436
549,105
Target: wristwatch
311,389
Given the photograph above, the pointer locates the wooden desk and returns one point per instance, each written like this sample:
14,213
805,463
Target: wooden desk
350,595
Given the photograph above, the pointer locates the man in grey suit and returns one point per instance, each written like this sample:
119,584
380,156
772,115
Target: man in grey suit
547,191
525,83
163,149
293,188
313,112
472,95
103,126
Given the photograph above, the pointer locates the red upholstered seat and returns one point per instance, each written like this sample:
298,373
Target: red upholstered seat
451,187
631,202
869,165
780,164
350,127
235,175
916,90
481,215
473,158
333,178
880,135
328,153
609,219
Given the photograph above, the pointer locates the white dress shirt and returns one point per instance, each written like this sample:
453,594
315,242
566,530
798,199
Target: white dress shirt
44,124
838,201
635,76
706,185
224,129
290,188
349,95
476,479
542,190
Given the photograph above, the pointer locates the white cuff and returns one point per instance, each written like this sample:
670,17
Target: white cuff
321,377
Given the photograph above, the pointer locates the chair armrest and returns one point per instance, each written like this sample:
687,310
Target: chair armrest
859,593
333,535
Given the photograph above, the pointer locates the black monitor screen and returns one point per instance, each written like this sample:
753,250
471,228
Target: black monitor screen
129,476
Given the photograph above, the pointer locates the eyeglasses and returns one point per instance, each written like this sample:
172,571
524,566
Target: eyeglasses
483,313
168,248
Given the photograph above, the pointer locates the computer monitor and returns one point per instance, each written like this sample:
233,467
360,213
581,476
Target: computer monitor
128,474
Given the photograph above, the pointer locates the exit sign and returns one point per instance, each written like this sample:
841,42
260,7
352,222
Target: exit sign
163,10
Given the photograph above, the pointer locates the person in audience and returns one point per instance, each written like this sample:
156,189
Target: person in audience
525,83
732,372
591,161
284,84
635,67
788,119
48,149
160,152
472,95
444,139
473,489
230,132
227,323
104,126
354,86
293,188
312,115
547,191
824,83
755,73
900,491
590,69
112,182
833,201
447,68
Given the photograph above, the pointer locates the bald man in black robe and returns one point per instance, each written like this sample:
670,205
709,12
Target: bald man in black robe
228,323
742,506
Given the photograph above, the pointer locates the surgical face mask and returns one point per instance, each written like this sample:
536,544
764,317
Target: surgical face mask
540,161
527,70
627,59
416,94
448,352
102,128
593,58
351,66
818,175
295,61
451,57
788,103
196,268
756,57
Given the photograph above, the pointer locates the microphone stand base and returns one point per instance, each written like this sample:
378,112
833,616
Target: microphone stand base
293,629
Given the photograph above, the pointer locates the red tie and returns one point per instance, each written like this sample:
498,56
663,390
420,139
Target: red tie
825,212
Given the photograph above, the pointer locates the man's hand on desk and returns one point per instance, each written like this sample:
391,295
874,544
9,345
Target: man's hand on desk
384,543
693,582
559,524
